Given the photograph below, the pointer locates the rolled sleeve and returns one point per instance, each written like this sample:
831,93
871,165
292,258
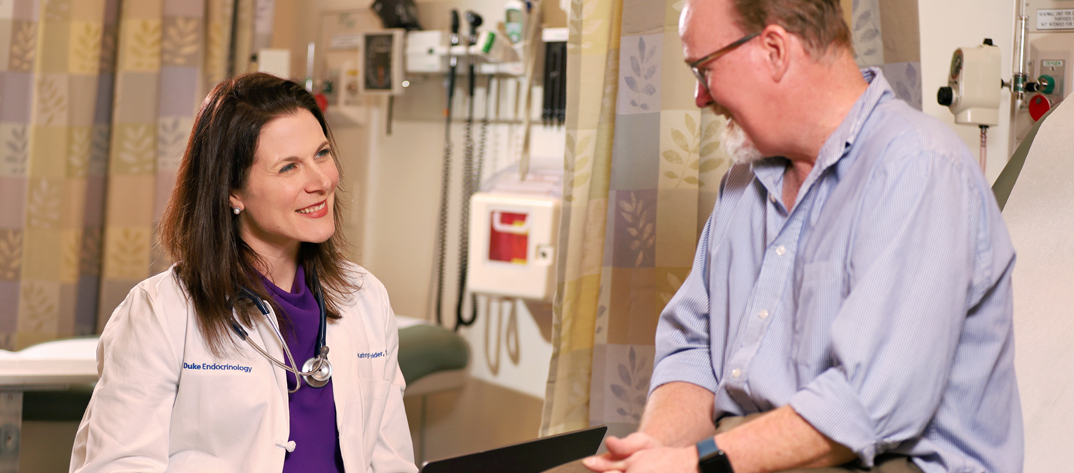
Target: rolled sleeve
683,349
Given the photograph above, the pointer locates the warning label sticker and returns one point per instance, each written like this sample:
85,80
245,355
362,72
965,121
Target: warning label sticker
1055,19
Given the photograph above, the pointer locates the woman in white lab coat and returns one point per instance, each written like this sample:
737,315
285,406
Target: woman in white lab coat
197,364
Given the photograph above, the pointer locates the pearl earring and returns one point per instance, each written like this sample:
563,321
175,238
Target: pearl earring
236,210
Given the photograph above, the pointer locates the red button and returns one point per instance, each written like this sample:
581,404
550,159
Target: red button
1038,106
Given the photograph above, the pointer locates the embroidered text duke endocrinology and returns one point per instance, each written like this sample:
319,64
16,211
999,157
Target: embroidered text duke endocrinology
216,367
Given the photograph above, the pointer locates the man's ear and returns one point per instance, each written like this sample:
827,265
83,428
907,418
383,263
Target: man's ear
776,43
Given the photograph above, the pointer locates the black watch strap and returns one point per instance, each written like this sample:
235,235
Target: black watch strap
710,459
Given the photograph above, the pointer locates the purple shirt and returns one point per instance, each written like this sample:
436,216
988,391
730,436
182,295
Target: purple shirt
313,410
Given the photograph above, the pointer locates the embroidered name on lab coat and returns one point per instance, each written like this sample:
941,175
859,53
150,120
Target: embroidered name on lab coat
376,354
216,367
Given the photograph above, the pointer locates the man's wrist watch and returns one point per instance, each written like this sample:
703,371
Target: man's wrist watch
710,459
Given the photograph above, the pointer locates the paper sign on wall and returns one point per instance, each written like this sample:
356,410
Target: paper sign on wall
1055,19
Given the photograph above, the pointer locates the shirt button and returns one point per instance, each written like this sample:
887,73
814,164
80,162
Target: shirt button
736,373
763,314
772,197
781,250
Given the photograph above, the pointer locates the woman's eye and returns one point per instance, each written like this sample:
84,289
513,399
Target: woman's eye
324,152
287,168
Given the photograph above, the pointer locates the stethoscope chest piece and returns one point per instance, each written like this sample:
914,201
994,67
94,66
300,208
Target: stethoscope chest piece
317,371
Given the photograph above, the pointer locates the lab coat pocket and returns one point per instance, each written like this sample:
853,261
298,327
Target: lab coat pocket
371,402
374,394
820,296
208,413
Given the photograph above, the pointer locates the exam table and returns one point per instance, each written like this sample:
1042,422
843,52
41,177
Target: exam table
1036,193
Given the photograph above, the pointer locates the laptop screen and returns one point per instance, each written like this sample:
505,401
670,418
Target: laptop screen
534,456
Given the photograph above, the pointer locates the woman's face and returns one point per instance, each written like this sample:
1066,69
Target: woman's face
289,194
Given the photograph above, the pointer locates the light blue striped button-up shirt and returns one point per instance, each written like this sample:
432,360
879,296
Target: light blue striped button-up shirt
879,307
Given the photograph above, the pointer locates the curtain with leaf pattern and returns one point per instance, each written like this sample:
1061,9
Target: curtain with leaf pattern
643,166
98,98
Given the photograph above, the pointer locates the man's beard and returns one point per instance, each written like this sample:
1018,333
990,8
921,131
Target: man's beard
738,145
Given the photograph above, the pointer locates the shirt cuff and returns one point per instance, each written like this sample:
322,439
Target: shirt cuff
832,407
693,366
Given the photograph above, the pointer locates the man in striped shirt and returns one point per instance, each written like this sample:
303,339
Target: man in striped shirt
850,302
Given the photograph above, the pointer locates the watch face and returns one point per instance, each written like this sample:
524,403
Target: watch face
711,459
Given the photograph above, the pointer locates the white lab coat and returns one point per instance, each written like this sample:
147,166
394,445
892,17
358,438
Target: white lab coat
152,411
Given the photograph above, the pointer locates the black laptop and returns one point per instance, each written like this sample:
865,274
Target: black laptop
534,456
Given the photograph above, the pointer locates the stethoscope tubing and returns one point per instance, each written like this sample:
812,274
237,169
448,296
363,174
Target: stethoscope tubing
316,371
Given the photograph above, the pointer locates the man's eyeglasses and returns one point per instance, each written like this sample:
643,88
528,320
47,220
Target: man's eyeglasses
700,73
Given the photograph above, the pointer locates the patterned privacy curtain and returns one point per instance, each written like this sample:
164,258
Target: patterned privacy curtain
98,98
171,52
886,35
643,166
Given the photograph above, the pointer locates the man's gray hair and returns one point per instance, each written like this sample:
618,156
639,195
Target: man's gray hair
819,23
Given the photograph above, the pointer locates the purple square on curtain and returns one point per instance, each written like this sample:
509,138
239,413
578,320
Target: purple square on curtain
632,228
640,74
9,305
86,305
177,87
187,8
17,89
111,12
13,200
636,152
94,203
102,109
23,10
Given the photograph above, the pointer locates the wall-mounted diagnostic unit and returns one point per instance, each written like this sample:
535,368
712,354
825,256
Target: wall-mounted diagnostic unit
381,55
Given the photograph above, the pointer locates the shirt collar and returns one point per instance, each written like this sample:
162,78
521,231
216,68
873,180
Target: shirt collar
770,170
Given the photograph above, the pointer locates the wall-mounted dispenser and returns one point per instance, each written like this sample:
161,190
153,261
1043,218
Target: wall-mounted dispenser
514,232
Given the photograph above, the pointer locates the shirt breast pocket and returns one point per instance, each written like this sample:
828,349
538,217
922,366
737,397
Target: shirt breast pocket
820,296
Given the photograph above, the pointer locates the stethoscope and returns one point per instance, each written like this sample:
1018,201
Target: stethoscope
316,371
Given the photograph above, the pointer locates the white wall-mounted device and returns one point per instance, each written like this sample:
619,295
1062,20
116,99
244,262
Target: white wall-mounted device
973,85
513,242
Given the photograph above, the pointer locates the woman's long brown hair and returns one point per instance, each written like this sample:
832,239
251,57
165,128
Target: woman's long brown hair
198,229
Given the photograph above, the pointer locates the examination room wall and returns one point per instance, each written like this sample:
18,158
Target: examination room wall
394,183
947,25
395,196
